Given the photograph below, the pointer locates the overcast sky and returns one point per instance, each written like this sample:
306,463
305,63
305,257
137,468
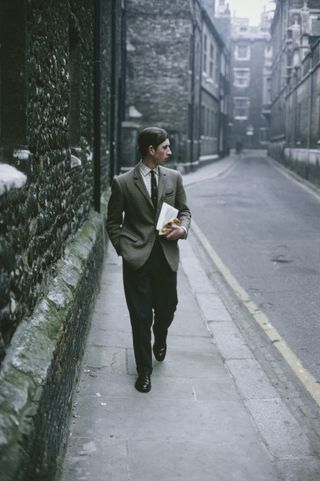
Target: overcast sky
248,8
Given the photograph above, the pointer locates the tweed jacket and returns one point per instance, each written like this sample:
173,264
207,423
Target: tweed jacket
131,219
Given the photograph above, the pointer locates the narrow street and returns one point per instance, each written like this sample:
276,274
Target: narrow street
216,410
266,229
108,111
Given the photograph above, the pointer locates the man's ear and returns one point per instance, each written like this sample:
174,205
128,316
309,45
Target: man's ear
151,149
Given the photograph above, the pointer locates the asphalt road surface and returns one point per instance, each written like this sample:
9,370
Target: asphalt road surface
266,229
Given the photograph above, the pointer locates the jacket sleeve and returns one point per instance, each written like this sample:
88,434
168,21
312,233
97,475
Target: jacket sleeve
115,214
181,204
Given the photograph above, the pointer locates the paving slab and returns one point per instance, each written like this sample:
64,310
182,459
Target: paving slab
164,419
212,307
284,436
197,278
135,460
251,379
195,461
229,340
305,469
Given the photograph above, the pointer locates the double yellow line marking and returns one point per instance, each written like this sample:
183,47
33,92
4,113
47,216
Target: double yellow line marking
306,378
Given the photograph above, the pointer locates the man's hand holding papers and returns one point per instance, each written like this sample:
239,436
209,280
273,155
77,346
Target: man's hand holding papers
168,224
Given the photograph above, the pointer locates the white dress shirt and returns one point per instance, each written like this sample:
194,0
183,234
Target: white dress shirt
146,175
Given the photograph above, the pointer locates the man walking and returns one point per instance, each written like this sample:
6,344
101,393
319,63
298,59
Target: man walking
150,261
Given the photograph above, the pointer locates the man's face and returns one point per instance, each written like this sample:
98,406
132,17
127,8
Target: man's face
161,153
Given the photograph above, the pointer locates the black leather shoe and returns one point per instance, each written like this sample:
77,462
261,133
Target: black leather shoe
143,383
160,352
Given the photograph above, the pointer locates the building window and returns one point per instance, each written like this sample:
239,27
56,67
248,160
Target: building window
211,61
205,115
241,108
241,77
267,90
217,65
223,65
242,52
214,123
209,122
315,25
190,121
206,121
191,53
205,52
198,59
263,134
202,120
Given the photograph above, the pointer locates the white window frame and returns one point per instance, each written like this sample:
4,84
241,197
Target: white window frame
241,77
263,135
223,64
239,57
246,107
205,52
211,60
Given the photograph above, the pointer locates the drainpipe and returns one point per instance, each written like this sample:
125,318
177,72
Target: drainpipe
122,82
201,120
310,103
96,108
193,73
113,87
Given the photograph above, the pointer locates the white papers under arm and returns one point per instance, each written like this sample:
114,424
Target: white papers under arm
167,214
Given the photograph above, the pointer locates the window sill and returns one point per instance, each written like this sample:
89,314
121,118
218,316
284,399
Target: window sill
11,178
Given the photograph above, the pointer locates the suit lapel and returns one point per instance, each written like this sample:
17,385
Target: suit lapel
161,184
138,181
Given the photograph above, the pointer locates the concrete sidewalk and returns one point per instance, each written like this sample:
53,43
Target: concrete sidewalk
200,421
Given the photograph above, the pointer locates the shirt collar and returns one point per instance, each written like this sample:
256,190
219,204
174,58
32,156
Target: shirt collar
145,170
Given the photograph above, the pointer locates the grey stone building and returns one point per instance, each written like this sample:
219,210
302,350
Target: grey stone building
59,126
295,105
250,51
165,85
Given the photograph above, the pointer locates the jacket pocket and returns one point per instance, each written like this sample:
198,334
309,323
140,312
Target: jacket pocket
169,196
128,235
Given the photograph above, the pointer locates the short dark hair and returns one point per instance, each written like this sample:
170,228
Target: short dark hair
151,136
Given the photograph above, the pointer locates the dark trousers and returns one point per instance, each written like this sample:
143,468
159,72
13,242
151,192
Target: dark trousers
151,295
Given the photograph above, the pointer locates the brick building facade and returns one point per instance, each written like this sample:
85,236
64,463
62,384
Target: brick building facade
212,95
295,106
59,126
249,52
164,79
